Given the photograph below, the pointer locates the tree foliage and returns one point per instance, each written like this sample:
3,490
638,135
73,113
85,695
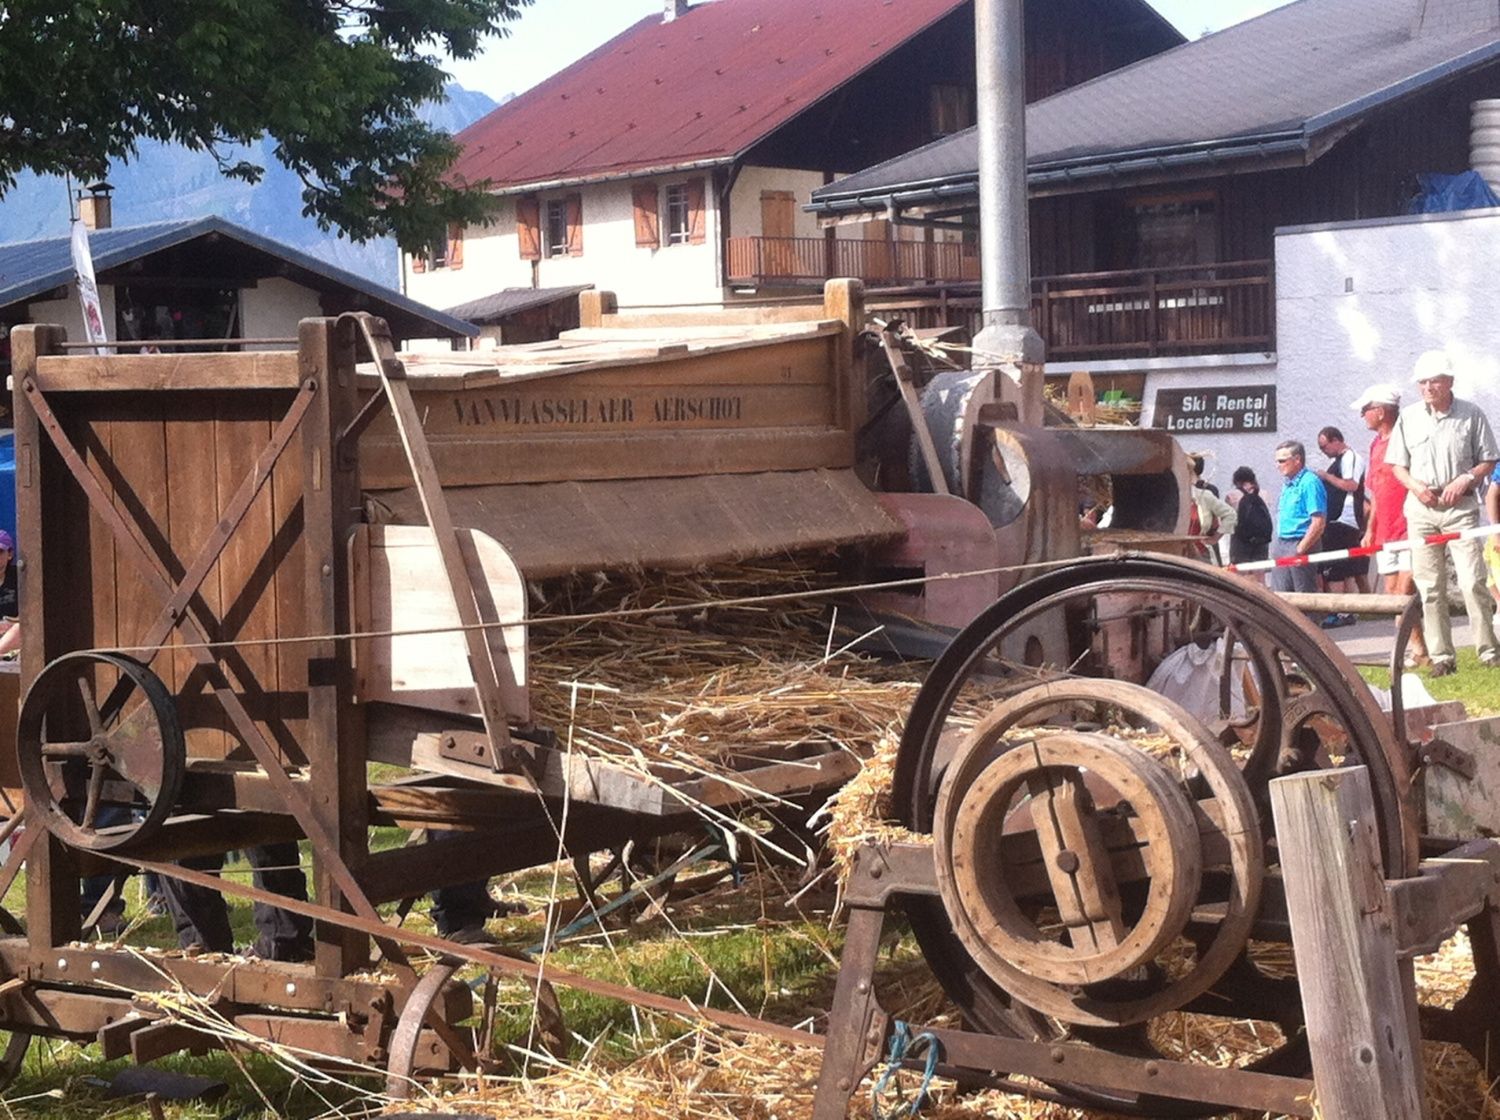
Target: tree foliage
335,84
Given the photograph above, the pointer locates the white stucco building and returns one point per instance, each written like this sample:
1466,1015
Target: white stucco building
672,165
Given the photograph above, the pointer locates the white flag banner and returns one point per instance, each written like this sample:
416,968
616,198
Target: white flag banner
88,290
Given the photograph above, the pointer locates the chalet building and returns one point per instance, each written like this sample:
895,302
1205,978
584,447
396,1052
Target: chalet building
672,164
195,278
1233,213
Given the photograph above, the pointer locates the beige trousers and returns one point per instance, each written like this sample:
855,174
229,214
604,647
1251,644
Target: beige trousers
1429,567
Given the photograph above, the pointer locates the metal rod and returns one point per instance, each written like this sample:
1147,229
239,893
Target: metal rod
1004,249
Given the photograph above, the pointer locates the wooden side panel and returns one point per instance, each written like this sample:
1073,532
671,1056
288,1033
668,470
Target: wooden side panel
136,465
782,405
247,565
397,583
192,511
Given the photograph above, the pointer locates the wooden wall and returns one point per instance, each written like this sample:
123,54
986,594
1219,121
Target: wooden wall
886,111
1369,173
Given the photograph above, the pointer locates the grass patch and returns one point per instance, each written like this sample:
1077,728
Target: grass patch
733,948
1478,686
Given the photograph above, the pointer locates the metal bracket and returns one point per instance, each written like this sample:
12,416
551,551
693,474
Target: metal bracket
1440,752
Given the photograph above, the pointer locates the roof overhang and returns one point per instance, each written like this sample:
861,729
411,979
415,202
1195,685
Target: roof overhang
952,196
1289,145
644,172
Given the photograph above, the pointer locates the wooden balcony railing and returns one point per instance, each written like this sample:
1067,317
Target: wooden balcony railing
772,261
1228,307
1203,309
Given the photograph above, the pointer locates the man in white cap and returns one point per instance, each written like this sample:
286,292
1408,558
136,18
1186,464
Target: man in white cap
1441,450
1386,520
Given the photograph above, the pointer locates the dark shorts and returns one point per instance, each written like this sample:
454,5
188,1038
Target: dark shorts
1242,552
1341,535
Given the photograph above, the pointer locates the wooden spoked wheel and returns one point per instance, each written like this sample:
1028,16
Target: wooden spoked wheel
13,1043
1286,705
100,750
506,1018
1104,839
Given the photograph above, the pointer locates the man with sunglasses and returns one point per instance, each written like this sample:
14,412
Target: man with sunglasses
1301,514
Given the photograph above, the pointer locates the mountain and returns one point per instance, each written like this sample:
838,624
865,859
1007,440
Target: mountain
168,181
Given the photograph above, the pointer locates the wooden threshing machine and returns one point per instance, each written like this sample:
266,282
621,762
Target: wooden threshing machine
246,577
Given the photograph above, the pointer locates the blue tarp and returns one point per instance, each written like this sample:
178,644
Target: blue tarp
1438,194
8,482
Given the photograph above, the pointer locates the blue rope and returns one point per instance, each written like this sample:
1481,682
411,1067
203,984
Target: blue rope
905,1048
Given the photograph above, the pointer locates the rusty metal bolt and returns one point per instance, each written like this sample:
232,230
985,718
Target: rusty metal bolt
877,871
1152,1069
1057,1055
1067,861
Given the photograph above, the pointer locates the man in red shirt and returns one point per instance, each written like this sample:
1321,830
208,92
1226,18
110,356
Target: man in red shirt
1380,405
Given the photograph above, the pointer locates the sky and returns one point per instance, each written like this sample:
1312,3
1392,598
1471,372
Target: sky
552,33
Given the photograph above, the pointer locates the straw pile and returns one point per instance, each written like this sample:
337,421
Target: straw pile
704,686
707,1075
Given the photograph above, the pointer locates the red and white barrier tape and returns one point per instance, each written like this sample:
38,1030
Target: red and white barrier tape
1478,532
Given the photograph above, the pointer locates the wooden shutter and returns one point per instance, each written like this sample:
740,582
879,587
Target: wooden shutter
647,222
574,204
528,228
456,245
697,225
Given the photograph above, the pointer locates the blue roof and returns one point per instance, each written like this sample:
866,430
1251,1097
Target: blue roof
29,269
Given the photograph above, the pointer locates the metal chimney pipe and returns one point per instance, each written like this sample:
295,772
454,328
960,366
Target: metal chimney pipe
1004,244
1006,344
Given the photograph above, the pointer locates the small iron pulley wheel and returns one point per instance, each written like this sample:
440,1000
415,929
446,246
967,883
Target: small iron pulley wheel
100,750
513,1016
13,1043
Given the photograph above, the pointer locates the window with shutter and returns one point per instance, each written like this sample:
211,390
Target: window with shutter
697,225
456,245
574,204
647,232
418,263
528,228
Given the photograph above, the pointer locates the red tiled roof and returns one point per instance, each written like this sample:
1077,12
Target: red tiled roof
702,87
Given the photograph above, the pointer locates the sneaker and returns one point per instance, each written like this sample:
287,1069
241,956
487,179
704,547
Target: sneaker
1440,668
1329,621
1491,662
110,925
1348,619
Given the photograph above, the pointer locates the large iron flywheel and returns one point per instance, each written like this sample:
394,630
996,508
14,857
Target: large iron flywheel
1106,860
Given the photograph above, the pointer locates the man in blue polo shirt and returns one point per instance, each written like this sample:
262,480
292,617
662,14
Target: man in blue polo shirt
1301,513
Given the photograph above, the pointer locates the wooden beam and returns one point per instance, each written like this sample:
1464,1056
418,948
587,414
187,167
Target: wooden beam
259,369
1358,999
